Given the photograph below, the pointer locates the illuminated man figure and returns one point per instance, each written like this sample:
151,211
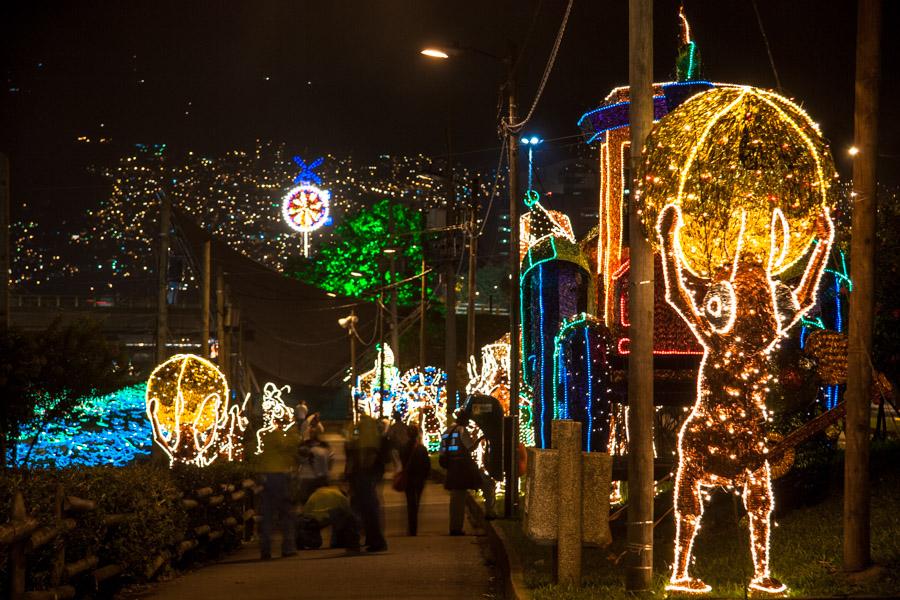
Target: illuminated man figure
723,442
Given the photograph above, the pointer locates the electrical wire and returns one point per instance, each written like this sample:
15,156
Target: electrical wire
516,127
487,213
766,41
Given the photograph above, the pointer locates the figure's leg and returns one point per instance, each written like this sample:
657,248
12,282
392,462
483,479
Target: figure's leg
688,511
758,502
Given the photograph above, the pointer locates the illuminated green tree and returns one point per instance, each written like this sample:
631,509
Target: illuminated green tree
354,263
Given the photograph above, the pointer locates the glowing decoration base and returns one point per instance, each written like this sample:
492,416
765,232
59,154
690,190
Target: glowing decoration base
582,379
187,404
736,182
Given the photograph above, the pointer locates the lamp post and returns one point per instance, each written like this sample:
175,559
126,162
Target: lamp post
511,424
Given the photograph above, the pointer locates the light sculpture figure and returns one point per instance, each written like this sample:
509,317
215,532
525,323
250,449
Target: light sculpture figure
187,405
491,378
419,395
737,182
277,416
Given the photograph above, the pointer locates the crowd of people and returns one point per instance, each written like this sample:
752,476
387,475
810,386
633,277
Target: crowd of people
295,466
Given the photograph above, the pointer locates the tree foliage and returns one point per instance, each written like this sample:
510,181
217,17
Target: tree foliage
44,375
358,246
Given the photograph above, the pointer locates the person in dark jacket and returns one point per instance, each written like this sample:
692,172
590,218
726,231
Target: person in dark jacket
462,472
417,466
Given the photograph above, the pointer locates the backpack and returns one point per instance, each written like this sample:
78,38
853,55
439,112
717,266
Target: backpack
451,446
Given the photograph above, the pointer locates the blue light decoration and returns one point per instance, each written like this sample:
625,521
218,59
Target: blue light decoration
102,430
582,382
831,317
307,171
554,285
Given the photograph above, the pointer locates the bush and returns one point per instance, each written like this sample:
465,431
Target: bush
152,494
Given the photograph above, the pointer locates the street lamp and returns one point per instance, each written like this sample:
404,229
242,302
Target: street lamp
434,53
511,423
531,142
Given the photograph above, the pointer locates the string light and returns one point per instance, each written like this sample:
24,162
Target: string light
735,183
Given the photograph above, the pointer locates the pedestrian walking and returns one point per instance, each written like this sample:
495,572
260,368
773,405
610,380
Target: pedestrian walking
416,468
455,455
300,412
315,465
311,425
398,438
367,454
275,465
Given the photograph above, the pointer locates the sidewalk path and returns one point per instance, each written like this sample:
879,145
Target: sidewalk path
431,566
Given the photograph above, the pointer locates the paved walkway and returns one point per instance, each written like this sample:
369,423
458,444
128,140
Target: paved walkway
431,566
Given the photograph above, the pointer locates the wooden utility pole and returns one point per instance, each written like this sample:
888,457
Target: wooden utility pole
862,261
511,429
450,287
639,568
162,276
220,321
205,277
422,313
392,268
5,261
473,265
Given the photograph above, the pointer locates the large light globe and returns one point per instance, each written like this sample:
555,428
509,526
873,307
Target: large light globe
186,388
729,157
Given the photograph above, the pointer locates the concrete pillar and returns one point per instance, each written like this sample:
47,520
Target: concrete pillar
567,439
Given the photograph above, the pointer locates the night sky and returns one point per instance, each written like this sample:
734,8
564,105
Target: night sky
346,77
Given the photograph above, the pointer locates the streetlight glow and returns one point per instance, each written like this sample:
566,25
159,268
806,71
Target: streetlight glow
853,151
434,53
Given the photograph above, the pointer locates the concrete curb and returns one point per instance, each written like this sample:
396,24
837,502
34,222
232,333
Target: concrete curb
507,560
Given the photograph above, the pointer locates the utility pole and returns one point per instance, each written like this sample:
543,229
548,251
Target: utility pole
450,287
639,568
220,320
381,355
205,277
862,261
352,331
473,265
392,267
422,313
511,427
162,275
5,261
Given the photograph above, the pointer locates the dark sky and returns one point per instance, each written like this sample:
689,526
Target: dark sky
346,77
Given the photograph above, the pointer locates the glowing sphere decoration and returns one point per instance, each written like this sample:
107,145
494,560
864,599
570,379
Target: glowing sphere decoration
728,157
187,400
305,208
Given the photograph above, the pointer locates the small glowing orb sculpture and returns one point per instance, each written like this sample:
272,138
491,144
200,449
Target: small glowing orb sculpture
187,404
728,157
